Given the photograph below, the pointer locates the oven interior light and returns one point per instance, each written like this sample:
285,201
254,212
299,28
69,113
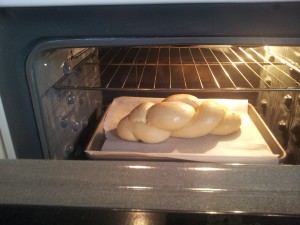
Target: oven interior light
144,218
287,63
267,48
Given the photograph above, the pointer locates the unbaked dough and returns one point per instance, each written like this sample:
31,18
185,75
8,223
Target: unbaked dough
208,115
170,115
180,115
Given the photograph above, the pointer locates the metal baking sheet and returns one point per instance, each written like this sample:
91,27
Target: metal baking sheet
95,148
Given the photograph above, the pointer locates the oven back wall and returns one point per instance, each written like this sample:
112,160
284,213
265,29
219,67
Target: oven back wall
22,29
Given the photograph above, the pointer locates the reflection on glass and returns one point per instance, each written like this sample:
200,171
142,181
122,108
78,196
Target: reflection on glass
140,219
139,167
210,190
136,187
145,218
237,211
206,169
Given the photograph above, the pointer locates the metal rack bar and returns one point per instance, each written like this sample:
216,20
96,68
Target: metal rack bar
283,72
102,57
268,86
185,64
83,61
224,70
287,63
103,71
261,66
191,65
78,54
182,69
201,85
113,76
93,84
130,68
99,61
170,72
183,90
142,74
234,65
178,64
214,78
156,68
106,53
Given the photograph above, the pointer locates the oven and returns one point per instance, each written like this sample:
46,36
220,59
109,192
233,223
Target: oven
63,67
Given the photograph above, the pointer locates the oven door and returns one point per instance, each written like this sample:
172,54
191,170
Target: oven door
184,24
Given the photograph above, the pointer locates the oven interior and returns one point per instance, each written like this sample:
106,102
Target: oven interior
71,87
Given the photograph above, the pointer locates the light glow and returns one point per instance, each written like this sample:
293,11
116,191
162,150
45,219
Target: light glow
137,187
206,169
287,63
208,190
139,167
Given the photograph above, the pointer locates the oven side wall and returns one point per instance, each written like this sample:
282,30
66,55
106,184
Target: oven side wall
24,28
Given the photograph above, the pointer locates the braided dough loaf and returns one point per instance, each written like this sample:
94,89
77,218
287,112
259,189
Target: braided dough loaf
180,115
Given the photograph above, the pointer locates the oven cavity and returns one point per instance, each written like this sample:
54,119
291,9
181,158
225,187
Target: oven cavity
75,85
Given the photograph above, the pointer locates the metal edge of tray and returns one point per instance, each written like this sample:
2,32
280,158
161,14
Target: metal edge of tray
266,133
98,139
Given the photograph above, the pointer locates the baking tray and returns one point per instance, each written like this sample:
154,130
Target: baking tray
94,148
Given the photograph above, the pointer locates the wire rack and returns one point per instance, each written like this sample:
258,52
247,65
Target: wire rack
183,69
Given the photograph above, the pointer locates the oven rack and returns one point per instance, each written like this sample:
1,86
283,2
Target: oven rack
184,69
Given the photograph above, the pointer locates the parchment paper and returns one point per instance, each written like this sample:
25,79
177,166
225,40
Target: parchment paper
244,146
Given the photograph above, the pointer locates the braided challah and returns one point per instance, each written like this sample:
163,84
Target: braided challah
180,115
